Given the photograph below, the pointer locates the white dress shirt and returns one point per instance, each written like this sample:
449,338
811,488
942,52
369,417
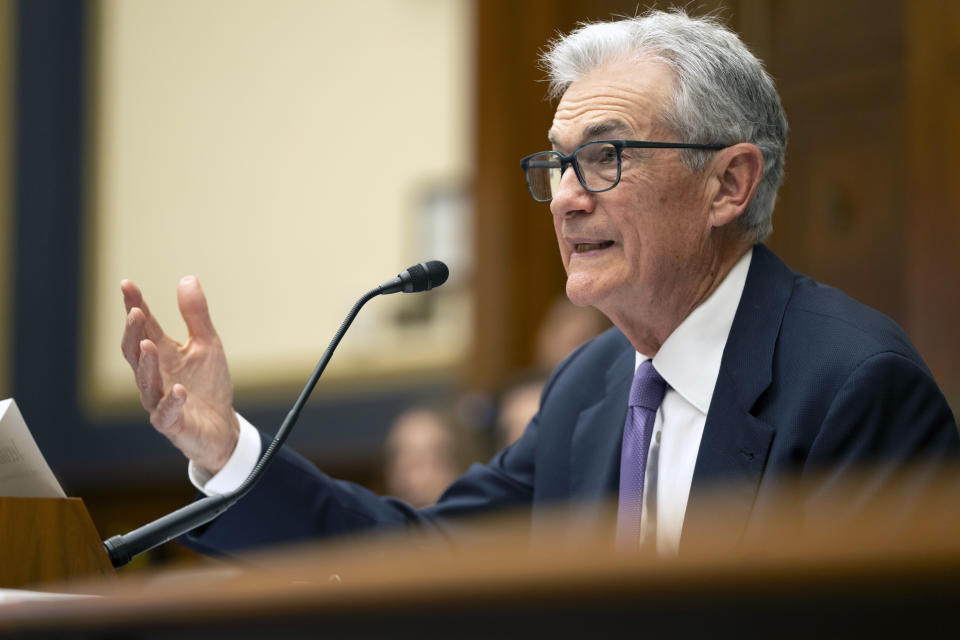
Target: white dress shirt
689,361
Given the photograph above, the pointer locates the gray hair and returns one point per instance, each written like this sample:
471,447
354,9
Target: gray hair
722,93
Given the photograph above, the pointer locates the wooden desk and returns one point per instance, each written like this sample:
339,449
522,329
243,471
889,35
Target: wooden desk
854,580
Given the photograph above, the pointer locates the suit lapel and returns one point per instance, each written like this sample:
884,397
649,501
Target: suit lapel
735,444
733,452
595,452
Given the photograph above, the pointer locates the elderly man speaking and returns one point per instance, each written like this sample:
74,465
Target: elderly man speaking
723,365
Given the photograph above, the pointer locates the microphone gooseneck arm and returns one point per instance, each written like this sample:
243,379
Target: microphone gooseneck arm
122,548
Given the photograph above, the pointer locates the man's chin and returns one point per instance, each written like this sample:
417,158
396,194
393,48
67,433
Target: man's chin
581,292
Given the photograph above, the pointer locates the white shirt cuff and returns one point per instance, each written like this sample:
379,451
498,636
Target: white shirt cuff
241,463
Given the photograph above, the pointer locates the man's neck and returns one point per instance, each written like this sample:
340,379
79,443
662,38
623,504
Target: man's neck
648,327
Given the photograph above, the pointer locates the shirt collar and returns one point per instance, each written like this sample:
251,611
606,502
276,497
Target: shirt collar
689,359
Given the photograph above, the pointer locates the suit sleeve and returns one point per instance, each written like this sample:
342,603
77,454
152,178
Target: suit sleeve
295,502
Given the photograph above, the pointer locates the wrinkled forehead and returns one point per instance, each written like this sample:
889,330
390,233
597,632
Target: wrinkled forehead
623,99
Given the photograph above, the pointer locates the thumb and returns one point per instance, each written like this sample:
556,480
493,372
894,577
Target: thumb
193,308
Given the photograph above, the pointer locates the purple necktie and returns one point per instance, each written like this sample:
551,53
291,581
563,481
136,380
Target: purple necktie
646,393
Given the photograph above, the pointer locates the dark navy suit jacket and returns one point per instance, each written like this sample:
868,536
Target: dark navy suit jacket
811,384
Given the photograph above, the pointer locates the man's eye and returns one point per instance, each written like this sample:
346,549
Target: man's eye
607,155
598,155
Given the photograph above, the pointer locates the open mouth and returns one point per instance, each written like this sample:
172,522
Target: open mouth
584,247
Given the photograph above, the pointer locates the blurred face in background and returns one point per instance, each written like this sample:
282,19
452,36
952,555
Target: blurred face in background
517,407
420,458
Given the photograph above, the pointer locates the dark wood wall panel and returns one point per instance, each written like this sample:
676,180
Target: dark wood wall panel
839,70
516,278
931,227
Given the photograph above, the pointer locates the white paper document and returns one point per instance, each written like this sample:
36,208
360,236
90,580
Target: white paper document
23,471
14,596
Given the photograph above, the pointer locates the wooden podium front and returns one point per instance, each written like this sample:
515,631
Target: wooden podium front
48,540
856,579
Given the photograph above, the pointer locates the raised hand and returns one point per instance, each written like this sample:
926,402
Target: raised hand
185,387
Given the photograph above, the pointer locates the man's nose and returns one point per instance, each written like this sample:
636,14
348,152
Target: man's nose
570,196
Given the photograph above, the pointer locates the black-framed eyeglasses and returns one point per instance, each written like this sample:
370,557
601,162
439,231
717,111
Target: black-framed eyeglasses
598,165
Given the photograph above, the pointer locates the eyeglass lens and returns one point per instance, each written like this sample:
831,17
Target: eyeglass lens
598,162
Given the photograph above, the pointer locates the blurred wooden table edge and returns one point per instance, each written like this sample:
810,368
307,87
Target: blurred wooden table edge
866,562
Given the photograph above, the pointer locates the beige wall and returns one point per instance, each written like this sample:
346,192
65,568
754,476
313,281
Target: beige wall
278,151
7,52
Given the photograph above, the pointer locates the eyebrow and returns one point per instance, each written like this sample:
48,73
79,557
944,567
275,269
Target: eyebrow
605,128
597,131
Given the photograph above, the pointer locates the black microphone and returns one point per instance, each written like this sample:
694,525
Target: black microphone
122,548
420,277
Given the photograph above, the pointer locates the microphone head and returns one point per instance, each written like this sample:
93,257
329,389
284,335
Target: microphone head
424,276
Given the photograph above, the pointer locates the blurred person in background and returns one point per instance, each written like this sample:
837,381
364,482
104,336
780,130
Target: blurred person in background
565,327
518,405
421,456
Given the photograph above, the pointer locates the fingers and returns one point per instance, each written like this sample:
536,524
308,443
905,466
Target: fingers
193,308
167,418
132,335
133,299
148,375
139,344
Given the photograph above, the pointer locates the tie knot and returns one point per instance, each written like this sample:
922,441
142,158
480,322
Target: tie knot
648,387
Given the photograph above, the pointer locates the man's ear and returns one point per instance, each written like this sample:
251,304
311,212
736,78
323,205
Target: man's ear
738,170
